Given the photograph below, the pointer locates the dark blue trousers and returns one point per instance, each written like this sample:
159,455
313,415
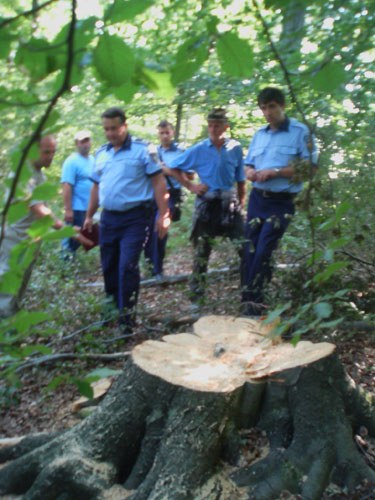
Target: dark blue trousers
122,237
155,246
78,220
267,220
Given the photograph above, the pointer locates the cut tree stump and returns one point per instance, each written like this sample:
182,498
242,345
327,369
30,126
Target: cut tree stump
169,427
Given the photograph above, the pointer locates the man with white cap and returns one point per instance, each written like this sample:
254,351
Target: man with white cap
76,185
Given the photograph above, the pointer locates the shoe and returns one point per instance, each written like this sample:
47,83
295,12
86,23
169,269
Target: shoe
253,310
158,277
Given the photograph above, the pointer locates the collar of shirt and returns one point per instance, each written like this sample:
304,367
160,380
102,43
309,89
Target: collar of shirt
211,144
125,145
284,127
172,147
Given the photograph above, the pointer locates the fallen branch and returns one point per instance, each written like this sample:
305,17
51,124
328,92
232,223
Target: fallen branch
53,358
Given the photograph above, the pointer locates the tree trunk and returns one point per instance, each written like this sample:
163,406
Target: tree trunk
152,440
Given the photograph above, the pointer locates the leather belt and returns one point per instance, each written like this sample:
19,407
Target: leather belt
275,195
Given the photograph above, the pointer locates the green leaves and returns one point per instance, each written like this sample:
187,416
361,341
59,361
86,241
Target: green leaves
17,210
44,191
125,9
65,232
160,84
114,60
102,373
190,57
35,58
235,55
331,76
40,227
323,310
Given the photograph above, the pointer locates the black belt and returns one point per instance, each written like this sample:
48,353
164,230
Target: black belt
274,195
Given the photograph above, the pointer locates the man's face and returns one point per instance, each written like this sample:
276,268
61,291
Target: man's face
47,150
115,130
166,135
273,112
216,129
83,147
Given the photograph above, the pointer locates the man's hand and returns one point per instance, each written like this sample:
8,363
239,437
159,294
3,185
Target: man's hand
68,216
251,174
162,224
88,223
199,189
266,174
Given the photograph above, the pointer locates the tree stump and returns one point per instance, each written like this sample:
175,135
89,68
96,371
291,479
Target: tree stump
169,425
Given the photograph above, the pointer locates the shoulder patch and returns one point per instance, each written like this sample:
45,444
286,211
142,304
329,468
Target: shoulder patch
232,143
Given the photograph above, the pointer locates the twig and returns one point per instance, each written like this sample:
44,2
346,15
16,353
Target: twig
26,13
53,358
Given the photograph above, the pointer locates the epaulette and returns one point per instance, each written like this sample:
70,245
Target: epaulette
138,140
297,124
101,148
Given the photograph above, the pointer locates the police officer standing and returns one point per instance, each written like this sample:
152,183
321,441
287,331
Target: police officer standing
168,150
218,161
268,166
126,177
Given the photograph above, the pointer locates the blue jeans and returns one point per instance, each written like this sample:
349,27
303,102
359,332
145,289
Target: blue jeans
78,219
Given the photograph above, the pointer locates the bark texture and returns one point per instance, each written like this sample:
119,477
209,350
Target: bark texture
151,440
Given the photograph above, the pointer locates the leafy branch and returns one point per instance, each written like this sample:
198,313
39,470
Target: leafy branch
26,13
36,135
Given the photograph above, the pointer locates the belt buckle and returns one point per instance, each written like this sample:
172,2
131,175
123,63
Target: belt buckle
266,194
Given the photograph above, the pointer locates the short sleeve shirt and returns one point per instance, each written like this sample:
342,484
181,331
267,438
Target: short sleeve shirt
278,148
167,156
218,169
76,171
124,176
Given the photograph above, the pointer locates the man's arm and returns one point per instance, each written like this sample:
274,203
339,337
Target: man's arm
93,206
161,197
241,192
67,197
271,173
184,180
40,210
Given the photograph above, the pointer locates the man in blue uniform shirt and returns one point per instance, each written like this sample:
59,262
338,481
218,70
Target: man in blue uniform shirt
76,185
126,178
269,167
167,151
218,161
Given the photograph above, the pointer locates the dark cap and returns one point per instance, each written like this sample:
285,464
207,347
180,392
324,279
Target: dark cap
218,114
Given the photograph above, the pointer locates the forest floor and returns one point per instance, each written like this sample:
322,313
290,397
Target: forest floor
72,293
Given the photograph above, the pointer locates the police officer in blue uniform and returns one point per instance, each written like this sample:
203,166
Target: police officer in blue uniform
126,178
268,166
218,161
168,150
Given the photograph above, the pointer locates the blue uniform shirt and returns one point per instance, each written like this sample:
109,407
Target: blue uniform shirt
218,169
76,171
124,175
166,156
277,148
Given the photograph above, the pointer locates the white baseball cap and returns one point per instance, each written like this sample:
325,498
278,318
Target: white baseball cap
82,134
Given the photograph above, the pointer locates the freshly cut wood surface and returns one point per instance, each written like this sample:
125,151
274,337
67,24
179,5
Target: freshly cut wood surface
223,353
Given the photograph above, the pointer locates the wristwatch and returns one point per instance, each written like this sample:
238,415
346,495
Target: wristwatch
277,170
